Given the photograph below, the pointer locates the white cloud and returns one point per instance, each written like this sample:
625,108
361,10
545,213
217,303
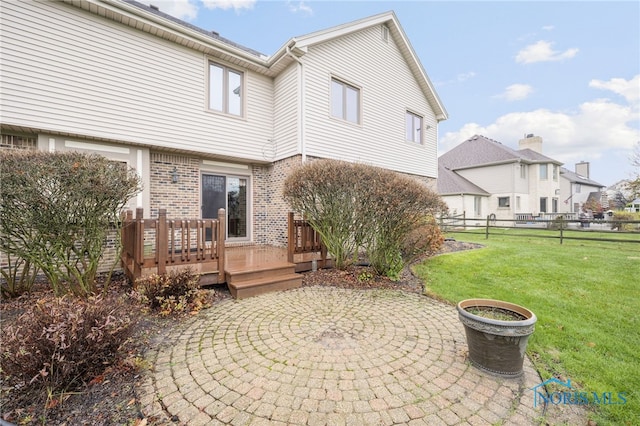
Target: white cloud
542,51
629,89
516,92
590,132
466,76
548,28
301,7
229,4
460,78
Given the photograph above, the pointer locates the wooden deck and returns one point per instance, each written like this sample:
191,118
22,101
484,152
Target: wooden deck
257,269
160,245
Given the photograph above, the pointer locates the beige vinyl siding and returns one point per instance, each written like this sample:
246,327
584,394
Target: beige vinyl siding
388,90
65,70
287,112
493,179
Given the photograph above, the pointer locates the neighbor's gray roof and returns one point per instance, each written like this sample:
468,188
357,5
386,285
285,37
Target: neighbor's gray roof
211,34
479,150
576,178
450,182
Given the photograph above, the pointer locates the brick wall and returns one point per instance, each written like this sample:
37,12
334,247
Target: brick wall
181,199
269,208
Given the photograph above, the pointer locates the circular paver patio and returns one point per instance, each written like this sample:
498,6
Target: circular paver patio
320,355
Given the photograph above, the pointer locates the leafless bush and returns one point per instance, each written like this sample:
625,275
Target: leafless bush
357,206
63,342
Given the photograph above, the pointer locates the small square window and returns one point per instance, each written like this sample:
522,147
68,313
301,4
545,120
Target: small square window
504,202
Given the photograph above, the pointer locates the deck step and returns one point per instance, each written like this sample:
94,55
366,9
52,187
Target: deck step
260,271
257,286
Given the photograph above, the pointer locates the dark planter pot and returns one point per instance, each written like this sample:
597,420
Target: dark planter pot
497,346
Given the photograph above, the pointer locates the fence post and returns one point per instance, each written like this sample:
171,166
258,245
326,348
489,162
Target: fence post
162,246
222,230
291,245
486,236
561,228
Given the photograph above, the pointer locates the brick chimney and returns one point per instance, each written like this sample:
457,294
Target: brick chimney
531,142
582,169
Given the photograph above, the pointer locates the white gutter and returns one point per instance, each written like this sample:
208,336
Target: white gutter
301,88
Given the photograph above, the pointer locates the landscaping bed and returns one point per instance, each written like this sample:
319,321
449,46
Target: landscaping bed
111,398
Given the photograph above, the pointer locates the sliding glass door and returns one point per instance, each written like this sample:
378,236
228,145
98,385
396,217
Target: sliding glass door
229,193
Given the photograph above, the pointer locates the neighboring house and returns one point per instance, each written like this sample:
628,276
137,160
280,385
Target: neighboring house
576,189
633,206
483,177
208,123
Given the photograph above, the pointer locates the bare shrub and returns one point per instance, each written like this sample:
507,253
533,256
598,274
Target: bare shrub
56,210
61,343
425,239
357,206
173,292
18,277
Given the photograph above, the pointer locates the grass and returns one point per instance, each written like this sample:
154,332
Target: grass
585,295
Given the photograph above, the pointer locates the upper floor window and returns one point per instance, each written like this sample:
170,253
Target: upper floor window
413,128
523,171
544,173
345,101
225,89
555,172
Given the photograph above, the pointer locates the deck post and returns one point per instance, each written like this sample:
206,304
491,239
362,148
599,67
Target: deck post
138,244
162,247
291,235
220,234
125,235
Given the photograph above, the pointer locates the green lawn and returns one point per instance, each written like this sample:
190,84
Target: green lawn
585,294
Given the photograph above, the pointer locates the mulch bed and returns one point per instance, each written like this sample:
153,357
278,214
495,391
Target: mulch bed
111,398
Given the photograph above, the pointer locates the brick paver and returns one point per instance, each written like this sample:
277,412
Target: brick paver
319,355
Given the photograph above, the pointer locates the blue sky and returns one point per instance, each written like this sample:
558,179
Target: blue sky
566,71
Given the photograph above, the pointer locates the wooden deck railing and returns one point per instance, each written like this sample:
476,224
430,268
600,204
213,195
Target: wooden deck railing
153,245
303,239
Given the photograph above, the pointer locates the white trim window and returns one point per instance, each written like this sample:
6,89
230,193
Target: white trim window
504,202
544,172
225,89
413,127
345,101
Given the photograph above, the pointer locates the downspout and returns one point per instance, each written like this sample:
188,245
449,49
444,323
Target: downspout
301,89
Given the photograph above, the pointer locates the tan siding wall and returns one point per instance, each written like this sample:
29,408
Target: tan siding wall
67,70
286,113
388,90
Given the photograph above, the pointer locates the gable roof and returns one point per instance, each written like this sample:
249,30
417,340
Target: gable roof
451,183
391,21
576,178
479,151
